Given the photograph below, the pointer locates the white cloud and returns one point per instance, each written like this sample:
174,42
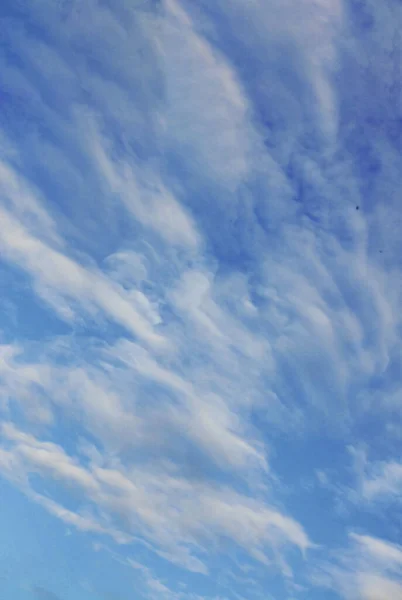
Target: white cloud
381,551
26,203
81,522
206,115
203,416
374,587
178,515
150,201
64,283
377,483
384,481
193,297
369,569
46,458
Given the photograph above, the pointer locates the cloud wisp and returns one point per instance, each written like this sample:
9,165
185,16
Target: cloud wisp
200,268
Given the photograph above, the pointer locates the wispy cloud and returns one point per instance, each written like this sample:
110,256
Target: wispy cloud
177,514
370,568
200,267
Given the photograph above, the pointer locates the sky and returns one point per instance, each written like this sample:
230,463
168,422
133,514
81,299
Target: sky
201,291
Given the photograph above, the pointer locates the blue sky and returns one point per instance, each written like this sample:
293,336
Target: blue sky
200,348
